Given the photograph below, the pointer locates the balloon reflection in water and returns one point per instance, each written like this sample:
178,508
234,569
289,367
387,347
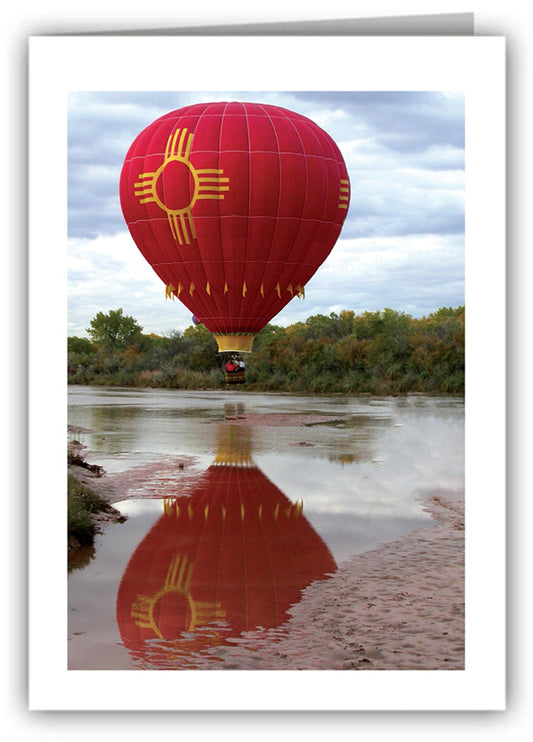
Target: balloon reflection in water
232,556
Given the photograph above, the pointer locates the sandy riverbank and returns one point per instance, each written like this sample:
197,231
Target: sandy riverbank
397,607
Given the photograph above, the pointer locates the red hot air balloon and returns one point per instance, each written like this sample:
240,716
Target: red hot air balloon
235,206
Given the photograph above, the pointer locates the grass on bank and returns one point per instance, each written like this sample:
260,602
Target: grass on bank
82,502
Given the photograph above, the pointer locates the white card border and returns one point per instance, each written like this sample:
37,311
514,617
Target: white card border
476,66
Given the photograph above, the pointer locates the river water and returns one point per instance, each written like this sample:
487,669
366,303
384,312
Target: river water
249,497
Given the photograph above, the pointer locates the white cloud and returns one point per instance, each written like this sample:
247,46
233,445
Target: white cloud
413,274
108,273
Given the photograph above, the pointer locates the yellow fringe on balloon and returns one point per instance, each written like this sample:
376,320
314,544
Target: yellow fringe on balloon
171,291
171,508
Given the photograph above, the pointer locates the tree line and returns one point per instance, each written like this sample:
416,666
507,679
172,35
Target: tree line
382,352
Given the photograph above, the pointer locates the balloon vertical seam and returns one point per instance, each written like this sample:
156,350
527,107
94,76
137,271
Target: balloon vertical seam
256,299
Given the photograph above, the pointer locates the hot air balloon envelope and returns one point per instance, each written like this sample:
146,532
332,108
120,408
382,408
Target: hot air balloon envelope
235,206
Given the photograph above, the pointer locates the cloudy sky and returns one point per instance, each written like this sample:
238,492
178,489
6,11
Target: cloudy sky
402,245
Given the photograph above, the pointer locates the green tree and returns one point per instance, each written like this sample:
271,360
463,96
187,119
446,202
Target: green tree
80,345
114,330
268,336
81,353
200,347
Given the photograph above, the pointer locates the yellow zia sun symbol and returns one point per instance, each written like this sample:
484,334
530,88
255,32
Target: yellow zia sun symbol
207,183
177,584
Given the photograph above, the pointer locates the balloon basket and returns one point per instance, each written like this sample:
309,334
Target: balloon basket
235,377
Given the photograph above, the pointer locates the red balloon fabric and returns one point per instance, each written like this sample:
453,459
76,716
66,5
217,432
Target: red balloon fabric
235,206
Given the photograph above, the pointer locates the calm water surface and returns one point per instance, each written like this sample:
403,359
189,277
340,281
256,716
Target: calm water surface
270,509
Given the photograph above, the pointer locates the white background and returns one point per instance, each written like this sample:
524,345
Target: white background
473,65
30,18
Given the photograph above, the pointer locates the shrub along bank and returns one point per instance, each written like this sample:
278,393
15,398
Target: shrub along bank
383,352
82,503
